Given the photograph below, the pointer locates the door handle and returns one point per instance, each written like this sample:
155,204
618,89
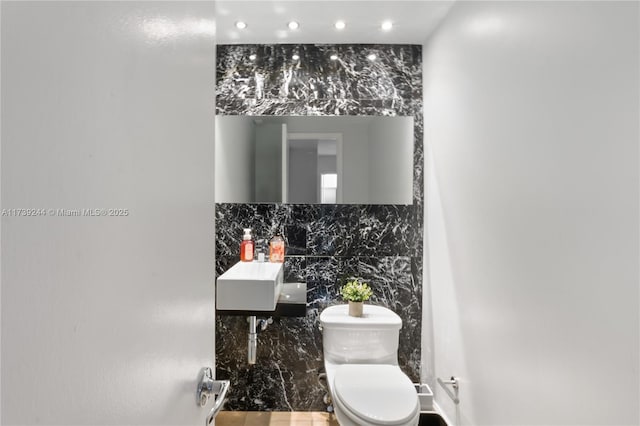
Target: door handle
208,387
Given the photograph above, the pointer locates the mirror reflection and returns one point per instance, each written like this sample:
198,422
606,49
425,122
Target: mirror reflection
311,159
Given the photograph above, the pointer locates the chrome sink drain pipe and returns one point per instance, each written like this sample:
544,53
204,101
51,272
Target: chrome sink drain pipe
253,340
255,326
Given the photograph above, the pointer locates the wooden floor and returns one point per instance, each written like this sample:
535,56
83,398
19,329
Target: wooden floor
275,418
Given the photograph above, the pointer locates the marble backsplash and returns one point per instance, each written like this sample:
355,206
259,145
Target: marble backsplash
325,243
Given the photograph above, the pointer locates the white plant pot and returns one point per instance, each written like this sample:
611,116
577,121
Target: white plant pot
355,309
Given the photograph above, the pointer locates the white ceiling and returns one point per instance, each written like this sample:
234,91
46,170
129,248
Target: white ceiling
413,21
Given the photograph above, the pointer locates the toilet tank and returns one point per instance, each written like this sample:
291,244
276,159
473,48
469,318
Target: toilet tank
370,339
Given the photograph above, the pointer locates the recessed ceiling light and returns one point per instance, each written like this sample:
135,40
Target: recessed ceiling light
241,25
295,57
293,25
371,56
340,25
333,57
387,25
252,57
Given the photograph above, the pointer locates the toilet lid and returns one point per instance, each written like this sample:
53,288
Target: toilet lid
380,394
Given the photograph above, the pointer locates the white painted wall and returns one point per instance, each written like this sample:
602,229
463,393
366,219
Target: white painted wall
235,156
531,112
107,320
390,151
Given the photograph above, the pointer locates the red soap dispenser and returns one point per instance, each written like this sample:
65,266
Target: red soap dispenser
246,246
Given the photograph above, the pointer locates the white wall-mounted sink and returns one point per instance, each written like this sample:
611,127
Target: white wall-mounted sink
250,286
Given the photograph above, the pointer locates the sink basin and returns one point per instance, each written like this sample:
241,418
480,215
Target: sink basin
250,286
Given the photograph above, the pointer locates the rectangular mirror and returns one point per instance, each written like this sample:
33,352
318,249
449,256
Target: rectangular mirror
314,159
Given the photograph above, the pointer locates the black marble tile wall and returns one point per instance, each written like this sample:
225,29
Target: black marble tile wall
326,244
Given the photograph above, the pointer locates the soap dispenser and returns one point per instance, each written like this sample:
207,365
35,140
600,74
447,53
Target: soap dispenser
247,246
276,249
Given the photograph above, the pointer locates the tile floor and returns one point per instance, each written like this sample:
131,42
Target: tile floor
275,418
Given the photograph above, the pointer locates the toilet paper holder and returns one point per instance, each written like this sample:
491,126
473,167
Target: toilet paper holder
455,384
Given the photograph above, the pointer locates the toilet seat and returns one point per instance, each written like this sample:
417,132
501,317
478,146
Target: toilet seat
376,394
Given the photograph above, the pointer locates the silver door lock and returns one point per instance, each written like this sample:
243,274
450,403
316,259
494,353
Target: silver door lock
208,387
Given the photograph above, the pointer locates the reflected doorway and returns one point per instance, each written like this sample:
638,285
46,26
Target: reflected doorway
314,168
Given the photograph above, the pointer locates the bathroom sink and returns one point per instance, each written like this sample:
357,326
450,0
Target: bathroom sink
250,286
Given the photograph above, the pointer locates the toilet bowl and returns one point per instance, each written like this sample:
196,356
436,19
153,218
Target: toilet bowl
361,361
374,394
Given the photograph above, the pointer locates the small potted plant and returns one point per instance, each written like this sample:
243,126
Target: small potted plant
356,293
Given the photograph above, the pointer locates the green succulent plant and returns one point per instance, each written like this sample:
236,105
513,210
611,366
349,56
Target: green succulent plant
356,291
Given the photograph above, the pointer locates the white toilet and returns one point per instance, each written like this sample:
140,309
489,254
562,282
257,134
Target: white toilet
361,360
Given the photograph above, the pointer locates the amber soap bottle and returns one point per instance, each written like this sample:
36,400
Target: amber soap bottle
246,246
